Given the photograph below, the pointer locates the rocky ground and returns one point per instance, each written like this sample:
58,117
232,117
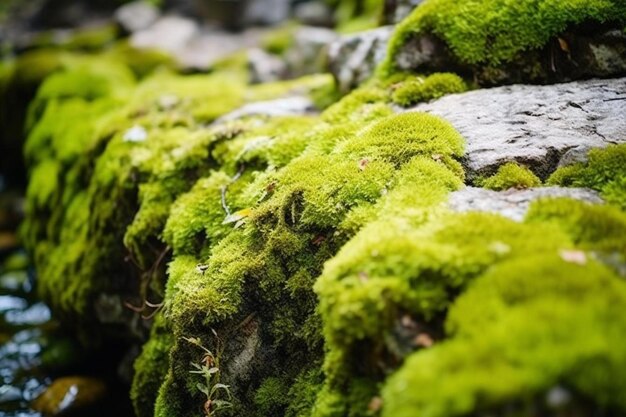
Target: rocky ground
390,208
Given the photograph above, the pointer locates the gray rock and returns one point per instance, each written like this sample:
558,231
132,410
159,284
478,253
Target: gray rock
136,16
265,67
308,52
266,12
288,106
513,203
169,33
397,10
534,125
314,13
352,59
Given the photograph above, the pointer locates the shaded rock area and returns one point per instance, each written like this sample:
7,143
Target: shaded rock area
583,51
513,203
353,58
534,125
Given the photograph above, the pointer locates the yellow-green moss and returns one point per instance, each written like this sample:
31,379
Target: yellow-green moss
524,327
417,89
605,171
495,31
510,175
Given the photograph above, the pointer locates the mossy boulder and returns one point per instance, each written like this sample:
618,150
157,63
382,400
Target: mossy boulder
501,41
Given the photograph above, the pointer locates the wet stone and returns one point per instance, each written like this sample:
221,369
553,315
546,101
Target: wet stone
74,395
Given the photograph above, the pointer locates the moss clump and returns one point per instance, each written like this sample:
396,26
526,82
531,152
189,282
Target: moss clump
495,31
357,15
518,322
418,89
605,171
510,175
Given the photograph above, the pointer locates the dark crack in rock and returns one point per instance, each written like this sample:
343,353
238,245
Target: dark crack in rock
513,203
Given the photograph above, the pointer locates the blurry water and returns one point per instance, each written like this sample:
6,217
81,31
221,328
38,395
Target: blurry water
23,341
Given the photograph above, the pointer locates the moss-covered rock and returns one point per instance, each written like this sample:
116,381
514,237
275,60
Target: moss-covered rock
308,265
605,171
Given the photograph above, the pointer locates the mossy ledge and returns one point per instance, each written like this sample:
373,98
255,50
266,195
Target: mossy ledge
315,255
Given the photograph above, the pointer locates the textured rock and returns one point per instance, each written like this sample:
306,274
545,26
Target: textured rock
513,203
397,10
353,58
310,46
265,67
534,125
314,13
281,107
136,16
192,46
169,33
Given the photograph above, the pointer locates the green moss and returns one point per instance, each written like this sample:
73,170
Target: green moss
357,15
590,226
510,175
271,398
517,321
150,368
280,39
495,31
605,171
417,89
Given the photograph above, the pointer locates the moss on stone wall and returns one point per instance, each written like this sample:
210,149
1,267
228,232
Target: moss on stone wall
315,255
495,31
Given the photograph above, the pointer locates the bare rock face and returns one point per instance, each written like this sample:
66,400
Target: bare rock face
353,58
288,106
513,203
538,126
308,52
136,16
396,10
265,67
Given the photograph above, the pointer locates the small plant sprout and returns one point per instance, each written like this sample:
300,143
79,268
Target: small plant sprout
209,369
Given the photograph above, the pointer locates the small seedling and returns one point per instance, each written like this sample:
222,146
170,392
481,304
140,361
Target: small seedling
209,369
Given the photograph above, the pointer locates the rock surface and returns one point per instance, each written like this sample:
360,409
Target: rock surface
534,125
280,107
513,203
307,54
136,16
397,10
265,67
353,58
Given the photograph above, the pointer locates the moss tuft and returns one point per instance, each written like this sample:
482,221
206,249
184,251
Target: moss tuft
510,175
418,89
605,171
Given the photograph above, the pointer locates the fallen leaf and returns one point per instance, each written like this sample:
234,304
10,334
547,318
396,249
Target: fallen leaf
563,44
424,340
237,216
